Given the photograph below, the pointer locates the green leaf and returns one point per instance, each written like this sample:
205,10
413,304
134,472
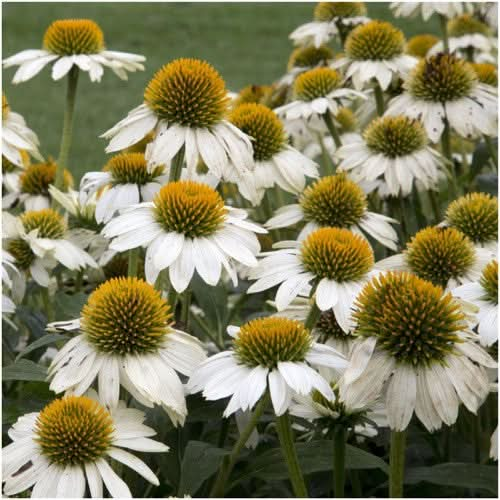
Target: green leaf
314,456
24,369
488,183
200,461
47,339
462,475
69,306
213,301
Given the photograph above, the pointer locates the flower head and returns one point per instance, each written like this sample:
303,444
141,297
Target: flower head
486,73
328,11
466,24
419,45
67,37
309,57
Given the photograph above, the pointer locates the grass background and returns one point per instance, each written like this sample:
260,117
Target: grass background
246,42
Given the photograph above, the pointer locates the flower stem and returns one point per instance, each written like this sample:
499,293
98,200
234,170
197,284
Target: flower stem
312,317
397,464
230,461
47,304
379,99
67,131
444,31
285,434
133,255
327,117
176,166
339,442
491,149
433,196
186,303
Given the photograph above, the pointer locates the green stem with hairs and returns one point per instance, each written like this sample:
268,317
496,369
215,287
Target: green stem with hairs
434,198
67,131
133,257
186,303
339,449
327,117
397,463
172,299
444,31
491,149
379,99
327,162
229,462
285,434
47,304
312,316
176,166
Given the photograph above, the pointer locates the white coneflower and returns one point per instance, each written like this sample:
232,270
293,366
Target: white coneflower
67,447
416,348
442,255
124,181
32,186
487,73
335,201
186,104
9,275
484,295
187,227
476,215
444,88
337,262
125,340
316,92
419,45
395,150
38,241
17,137
73,42
375,51
427,9
276,162
268,353
330,19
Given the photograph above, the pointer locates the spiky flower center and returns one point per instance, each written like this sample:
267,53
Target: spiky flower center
441,78
66,37
489,281
5,107
189,208
188,92
126,316
267,341
376,40
117,267
318,82
486,73
130,168
476,215
412,319
74,430
466,24
336,254
346,120
263,126
48,222
22,253
309,56
395,136
334,201
37,178
328,328
328,11
438,254
419,45
8,166
253,93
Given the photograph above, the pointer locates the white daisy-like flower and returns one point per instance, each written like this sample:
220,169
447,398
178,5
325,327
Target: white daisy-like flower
125,340
330,19
38,242
72,43
416,349
276,162
420,45
395,150
268,353
9,274
17,137
336,261
375,51
466,32
476,215
31,186
443,87
484,295
187,227
182,129
442,255
315,93
124,181
66,447
335,201
427,9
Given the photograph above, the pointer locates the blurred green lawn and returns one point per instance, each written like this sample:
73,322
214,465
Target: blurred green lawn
247,43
